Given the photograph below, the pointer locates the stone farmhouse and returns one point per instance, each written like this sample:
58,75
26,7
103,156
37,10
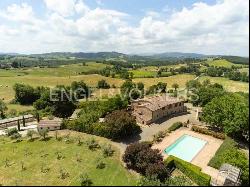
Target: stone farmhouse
150,109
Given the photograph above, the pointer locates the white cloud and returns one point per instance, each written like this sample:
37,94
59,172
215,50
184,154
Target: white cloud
222,28
66,7
14,12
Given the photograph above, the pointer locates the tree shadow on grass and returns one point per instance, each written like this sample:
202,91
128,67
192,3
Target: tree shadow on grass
46,139
129,140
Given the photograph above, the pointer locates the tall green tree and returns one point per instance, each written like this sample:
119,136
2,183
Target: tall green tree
228,113
3,109
175,86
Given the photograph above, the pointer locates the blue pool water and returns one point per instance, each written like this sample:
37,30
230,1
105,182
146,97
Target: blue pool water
186,147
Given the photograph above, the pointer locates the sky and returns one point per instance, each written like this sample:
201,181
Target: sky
127,26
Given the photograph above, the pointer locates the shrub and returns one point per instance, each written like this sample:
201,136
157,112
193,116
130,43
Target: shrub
93,144
208,132
229,153
85,180
108,151
147,181
31,133
15,136
175,126
159,136
190,170
100,164
143,159
157,170
63,174
103,84
11,131
43,133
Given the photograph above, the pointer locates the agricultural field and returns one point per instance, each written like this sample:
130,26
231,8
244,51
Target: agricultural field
223,63
229,85
6,83
143,73
61,71
180,79
37,162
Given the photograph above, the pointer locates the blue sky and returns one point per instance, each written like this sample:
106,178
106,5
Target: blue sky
129,26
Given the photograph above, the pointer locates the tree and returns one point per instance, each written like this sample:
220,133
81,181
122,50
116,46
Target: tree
80,89
18,125
3,108
175,86
103,84
207,93
60,105
160,87
130,91
193,84
120,124
145,160
228,113
43,133
31,133
23,121
25,94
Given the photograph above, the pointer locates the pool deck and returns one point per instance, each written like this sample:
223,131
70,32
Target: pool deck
203,157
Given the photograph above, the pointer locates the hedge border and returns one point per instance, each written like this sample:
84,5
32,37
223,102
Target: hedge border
175,126
192,171
205,131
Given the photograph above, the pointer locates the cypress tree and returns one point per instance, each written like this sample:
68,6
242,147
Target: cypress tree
23,121
18,125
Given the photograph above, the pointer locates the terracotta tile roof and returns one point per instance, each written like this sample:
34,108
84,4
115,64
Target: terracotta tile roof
157,102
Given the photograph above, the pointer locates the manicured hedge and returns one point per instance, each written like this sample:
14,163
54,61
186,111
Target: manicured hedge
190,170
175,126
208,132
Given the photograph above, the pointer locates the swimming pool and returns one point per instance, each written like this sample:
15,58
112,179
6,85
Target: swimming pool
186,147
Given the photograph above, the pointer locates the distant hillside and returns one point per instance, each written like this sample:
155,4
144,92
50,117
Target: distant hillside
168,57
237,59
177,55
98,55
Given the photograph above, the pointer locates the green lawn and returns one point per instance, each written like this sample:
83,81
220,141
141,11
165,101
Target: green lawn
39,153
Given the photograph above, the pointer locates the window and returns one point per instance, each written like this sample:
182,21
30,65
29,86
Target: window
176,104
170,106
163,108
180,104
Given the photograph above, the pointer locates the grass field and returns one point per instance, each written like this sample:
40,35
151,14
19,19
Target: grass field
6,83
61,71
179,79
229,85
75,160
19,108
143,73
222,63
